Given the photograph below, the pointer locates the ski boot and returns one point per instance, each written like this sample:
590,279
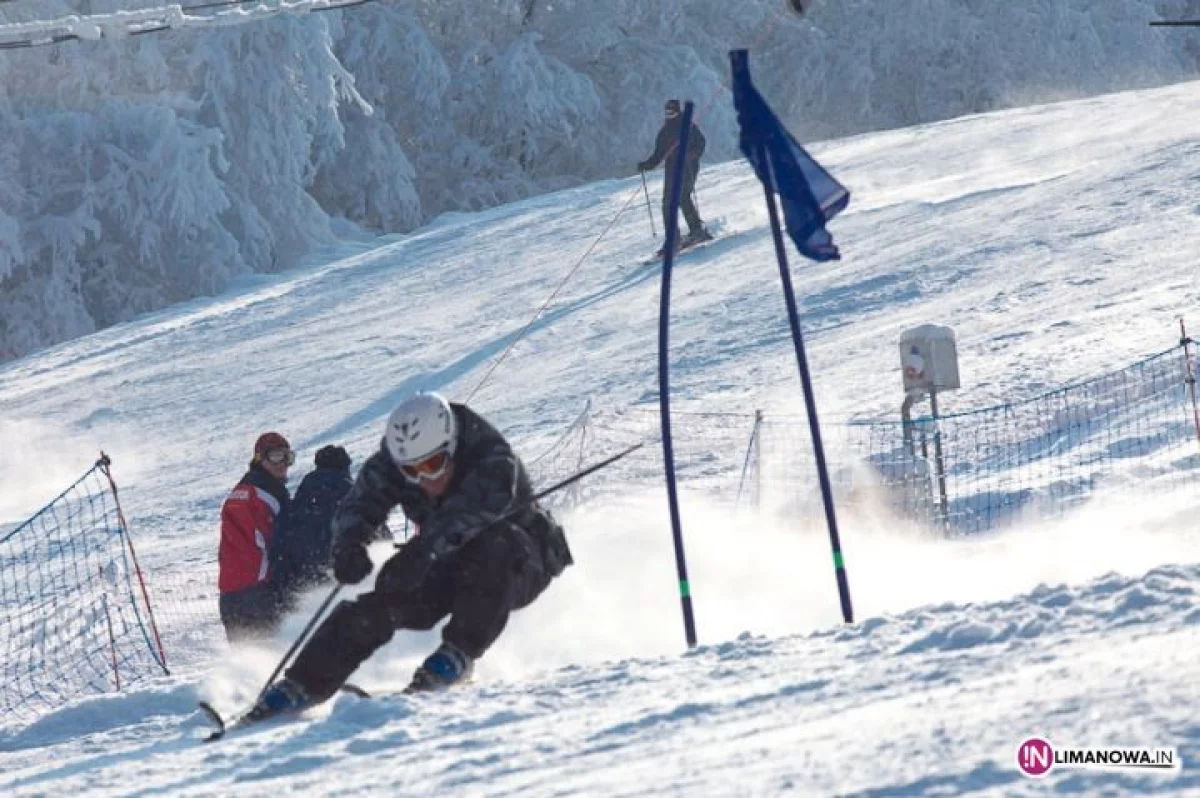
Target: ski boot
283,697
443,668
695,237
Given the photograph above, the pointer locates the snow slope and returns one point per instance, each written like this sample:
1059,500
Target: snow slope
1054,239
930,702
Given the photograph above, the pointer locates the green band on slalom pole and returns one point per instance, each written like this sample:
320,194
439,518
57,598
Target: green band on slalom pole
838,562
684,590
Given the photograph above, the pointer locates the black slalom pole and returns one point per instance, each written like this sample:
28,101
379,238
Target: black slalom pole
672,236
810,402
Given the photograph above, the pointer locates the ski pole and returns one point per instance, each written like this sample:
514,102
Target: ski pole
524,505
580,475
649,210
299,640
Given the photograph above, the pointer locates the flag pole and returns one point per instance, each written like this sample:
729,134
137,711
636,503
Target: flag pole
839,565
783,167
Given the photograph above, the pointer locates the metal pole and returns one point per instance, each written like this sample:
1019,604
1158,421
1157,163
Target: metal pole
649,210
939,463
758,461
1191,377
746,461
112,638
906,420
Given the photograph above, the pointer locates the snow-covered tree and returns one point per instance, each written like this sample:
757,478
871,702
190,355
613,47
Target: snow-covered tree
140,171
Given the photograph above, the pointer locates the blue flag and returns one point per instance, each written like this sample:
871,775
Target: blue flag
809,195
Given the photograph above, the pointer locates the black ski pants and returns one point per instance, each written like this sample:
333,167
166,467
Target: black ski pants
499,571
250,614
691,170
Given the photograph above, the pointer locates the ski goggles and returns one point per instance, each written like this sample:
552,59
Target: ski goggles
279,456
429,468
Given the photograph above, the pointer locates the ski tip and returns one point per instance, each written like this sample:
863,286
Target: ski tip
355,690
215,718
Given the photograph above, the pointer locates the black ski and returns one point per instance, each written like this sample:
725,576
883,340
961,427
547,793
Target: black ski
221,726
683,250
686,248
214,717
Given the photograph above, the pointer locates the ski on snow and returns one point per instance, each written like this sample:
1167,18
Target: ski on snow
683,250
221,726
717,232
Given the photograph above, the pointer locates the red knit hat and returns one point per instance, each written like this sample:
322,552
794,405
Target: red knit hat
268,441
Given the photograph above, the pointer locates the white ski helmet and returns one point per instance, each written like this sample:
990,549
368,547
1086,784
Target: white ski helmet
419,428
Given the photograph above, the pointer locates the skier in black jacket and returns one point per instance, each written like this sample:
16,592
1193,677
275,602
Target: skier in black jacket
665,148
484,548
301,547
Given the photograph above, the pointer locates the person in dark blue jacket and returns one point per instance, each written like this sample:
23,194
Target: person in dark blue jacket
301,550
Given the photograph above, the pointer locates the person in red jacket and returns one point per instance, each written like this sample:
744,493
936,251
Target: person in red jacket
248,606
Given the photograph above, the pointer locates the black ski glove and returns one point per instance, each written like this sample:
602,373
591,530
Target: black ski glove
351,563
643,166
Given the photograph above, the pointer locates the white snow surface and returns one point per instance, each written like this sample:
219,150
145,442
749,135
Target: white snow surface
1056,240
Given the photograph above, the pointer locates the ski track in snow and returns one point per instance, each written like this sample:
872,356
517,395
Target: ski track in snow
1056,240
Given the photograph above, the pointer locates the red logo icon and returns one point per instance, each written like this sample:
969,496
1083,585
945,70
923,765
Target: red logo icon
1035,757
